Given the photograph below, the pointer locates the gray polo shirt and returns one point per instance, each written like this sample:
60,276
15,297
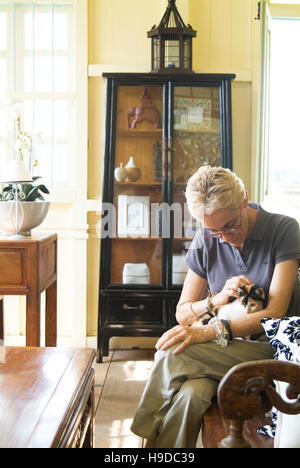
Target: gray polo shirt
274,239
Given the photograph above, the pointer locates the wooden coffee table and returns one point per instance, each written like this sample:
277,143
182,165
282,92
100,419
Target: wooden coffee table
47,398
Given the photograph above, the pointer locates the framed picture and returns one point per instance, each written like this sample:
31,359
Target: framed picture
192,114
133,216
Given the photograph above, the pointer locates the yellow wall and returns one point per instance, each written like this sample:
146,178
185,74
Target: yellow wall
227,41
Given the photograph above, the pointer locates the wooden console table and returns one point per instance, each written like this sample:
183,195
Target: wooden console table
47,398
29,266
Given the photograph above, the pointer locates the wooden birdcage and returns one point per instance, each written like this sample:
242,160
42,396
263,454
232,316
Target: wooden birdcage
172,43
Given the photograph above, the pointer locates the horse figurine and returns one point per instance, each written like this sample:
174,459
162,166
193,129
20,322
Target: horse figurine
147,111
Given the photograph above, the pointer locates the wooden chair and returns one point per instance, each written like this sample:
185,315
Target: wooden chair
245,395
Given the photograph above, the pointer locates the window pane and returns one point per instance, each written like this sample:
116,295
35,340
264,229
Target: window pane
60,31
3,123
285,101
3,75
27,118
37,116
4,155
3,31
62,119
28,74
286,2
46,32
61,74
28,31
61,165
43,28
40,60
43,118
44,157
43,74
284,139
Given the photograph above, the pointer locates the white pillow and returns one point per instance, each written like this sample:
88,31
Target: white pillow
284,336
288,425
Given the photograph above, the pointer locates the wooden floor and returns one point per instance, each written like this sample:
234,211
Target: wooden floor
120,381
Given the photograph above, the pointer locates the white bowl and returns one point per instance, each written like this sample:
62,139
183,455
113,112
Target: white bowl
34,214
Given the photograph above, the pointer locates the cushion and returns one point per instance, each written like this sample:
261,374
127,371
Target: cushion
284,336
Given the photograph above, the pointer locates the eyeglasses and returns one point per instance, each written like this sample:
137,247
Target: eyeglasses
229,231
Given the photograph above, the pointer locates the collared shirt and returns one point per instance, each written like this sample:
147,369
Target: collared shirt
274,239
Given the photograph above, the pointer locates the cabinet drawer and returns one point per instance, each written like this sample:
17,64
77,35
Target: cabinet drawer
132,311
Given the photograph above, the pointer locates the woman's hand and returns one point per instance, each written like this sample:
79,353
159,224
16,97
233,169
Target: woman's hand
230,290
186,336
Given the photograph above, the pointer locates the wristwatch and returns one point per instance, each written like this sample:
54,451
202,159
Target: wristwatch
227,330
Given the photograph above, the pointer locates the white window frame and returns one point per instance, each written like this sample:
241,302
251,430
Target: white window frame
78,168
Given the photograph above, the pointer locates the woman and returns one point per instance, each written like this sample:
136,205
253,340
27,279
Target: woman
239,244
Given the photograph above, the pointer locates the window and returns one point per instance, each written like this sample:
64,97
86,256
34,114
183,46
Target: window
284,138
38,70
286,2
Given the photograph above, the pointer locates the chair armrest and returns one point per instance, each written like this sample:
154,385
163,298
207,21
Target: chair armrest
247,390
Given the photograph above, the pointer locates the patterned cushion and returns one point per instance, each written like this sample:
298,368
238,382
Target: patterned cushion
284,336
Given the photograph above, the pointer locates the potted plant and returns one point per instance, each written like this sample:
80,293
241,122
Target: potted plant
27,193
22,205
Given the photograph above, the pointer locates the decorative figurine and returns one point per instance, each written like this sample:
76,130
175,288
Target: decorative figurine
133,172
147,111
136,273
120,173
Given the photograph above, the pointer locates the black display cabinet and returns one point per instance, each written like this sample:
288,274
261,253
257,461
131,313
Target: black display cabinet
161,128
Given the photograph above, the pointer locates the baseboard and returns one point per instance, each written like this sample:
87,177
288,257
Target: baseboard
91,342
125,342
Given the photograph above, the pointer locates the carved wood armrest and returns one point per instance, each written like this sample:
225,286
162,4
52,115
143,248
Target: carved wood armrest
247,390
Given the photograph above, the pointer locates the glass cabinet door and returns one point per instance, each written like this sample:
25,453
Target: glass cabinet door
137,248
196,142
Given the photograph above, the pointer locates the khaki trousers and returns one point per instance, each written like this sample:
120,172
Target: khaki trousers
181,388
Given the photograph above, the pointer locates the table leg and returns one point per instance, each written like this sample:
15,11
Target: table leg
51,315
33,318
1,320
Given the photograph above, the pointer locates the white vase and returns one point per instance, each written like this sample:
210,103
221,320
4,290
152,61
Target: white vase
120,173
133,172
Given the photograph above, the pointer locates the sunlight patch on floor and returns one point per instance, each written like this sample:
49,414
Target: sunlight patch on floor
137,370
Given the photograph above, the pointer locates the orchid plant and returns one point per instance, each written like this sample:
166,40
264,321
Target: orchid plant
24,147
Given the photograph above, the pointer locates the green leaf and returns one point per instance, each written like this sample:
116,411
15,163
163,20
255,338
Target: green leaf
43,189
33,194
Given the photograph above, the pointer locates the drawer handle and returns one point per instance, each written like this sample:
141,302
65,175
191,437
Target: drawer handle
140,307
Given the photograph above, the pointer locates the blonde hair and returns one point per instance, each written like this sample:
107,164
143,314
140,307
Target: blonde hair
213,188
